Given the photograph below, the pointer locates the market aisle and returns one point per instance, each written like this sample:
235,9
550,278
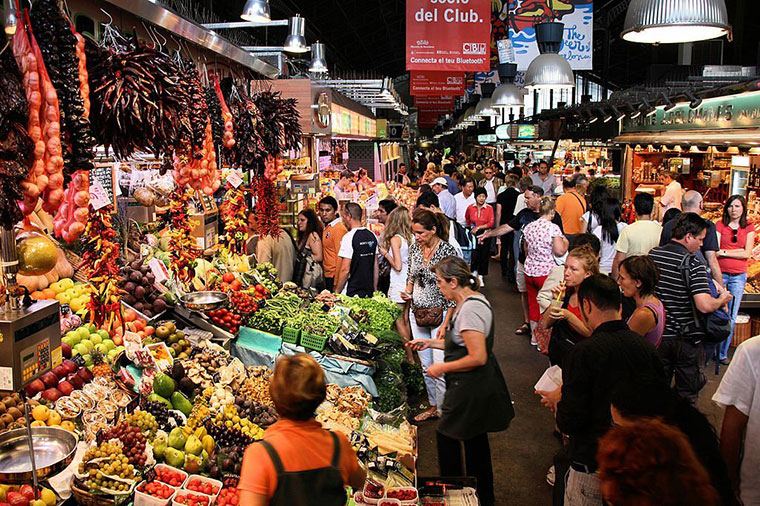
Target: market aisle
523,453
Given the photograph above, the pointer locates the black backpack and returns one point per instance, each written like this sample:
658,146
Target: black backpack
465,238
706,328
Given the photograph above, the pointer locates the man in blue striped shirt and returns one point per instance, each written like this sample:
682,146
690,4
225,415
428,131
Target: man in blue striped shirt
680,353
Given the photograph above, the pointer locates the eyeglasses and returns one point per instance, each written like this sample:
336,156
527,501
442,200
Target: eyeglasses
736,232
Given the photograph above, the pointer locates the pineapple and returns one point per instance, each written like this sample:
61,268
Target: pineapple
100,367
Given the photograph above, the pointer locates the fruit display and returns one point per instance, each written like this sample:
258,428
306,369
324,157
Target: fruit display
87,338
170,475
106,468
133,442
191,499
266,274
196,484
156,489
167,333
258,413
228,497
229,320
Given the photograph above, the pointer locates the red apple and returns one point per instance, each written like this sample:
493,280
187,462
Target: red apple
66,350
75,380
52,394
34,388
70,366
60,371
27,491
85,374
17,499
49,379
65,387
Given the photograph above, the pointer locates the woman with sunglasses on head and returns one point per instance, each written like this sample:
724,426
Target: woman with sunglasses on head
736,237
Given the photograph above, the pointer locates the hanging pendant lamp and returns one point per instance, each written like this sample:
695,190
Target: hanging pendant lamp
675,21
295,42
256,11
507,94
485,108
318,63
549,70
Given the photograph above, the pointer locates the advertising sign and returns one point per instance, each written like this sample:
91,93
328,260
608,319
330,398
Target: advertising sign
731,111
436,83
446,102
486,138
526,131
514,19
442,35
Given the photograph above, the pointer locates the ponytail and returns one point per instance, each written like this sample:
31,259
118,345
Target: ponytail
430,219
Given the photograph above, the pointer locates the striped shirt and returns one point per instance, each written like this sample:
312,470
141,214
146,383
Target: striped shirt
671,289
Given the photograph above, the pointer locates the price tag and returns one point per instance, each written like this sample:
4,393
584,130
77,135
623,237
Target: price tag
158,269
235,178
98,196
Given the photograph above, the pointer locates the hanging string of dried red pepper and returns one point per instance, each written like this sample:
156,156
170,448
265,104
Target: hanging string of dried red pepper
99,259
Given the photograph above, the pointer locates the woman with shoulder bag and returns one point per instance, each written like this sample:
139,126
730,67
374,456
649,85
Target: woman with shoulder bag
477,400
309,273
430,311
394,248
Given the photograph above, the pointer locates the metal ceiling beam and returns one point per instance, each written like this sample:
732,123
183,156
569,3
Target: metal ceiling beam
195,33
244,24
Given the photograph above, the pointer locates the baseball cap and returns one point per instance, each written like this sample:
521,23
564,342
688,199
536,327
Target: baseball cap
441,181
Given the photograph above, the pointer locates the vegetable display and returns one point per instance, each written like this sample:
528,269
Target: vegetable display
234,213
58,44
183,249
16,148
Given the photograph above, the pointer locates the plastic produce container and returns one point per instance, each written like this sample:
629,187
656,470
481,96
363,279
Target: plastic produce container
181,493
202,479
410,491
170,468
144,499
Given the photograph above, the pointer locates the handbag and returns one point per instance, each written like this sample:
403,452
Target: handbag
429,317
313,276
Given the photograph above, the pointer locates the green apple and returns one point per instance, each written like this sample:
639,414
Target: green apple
87,360
104,334
81,349
92,328
112,355
88,344
96,339
101,348
74,352
108,344
83,333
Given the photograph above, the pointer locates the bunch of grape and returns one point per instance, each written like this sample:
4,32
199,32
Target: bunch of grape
160,412
226,437
111,462
143,421
133,441
199,413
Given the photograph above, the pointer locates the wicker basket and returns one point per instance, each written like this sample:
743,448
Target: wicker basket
85,498
742,329
75,261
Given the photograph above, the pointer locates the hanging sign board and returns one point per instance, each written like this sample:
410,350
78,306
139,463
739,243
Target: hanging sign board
434,102
436,83
442,35
486,138
730,111
502,131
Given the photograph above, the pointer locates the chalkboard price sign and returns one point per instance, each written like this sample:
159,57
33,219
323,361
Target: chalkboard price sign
104,174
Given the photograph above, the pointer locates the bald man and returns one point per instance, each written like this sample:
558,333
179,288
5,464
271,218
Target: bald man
692,203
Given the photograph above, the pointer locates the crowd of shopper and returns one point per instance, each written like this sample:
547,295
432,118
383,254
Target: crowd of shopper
627,311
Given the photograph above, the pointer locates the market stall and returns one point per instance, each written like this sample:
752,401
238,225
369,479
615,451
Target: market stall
712,147
141,337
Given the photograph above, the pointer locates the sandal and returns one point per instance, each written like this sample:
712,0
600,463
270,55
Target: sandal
523,330
426,415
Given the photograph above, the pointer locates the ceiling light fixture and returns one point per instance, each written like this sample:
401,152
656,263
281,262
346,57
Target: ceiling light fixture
507,94
318,63
485,108
549,70
295,42
256,11
635,111
618,115
608,117
675,21
595,117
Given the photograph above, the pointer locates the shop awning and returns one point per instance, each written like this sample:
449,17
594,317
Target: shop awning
733,136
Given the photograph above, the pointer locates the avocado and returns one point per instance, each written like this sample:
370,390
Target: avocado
156,397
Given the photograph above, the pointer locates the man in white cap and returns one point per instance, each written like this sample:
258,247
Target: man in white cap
446,200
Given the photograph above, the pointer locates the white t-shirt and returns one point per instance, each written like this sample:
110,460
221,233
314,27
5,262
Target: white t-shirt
672,197
740,388
462,204
398,279
608,249
520,203
490,192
